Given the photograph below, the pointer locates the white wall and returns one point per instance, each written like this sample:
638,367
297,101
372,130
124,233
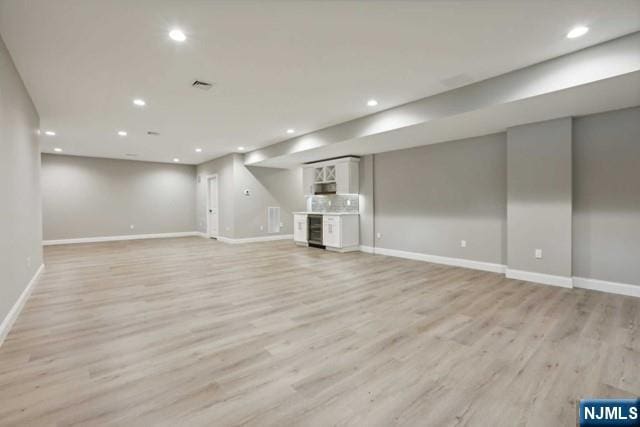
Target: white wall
93,197
20,207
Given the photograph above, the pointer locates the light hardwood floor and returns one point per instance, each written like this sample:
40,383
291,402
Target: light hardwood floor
191,331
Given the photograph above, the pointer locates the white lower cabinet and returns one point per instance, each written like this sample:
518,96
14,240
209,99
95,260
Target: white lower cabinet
300,228
341,232
331,231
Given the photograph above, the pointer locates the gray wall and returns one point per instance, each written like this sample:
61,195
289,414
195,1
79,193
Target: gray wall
539,197
242,216
428,199
223,168
20,210
606,198
366,202
90,197
268,187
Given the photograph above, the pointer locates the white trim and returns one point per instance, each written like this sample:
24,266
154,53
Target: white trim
116,238
604,286
256,239
343,250
367,249
528,276
457,262
545,279
208,206
13,314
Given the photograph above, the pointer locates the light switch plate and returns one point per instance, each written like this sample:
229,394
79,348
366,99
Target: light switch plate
538,254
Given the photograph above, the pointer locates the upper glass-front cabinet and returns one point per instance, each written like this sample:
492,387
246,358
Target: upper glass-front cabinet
325,174
337,176
330,173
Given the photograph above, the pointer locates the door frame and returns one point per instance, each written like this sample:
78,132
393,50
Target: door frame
208,206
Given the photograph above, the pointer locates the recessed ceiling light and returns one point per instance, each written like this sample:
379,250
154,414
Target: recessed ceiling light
240,148
372,103
175,159
577,32
122,132
50,133
198,150
57,150
139,102
177,35
290,131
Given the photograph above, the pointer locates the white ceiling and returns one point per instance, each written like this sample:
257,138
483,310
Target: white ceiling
275,65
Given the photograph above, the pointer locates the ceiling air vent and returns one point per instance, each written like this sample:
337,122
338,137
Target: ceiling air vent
153,133
199,84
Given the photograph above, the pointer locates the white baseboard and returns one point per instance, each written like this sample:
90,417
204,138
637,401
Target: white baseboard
13,314
457,262
367,249
545,279
604,286
117,238
256,239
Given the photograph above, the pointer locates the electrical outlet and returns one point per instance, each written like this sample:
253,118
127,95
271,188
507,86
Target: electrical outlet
378,235
538,253
348,202
132,226
262,228
463,243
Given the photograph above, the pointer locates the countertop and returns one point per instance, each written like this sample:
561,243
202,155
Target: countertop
327,213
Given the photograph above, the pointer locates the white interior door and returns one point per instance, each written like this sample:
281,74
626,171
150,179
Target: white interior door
212,207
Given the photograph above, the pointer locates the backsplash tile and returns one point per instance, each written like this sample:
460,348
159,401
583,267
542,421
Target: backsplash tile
334,203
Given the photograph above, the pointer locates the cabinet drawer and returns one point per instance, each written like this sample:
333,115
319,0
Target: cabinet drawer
331,219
